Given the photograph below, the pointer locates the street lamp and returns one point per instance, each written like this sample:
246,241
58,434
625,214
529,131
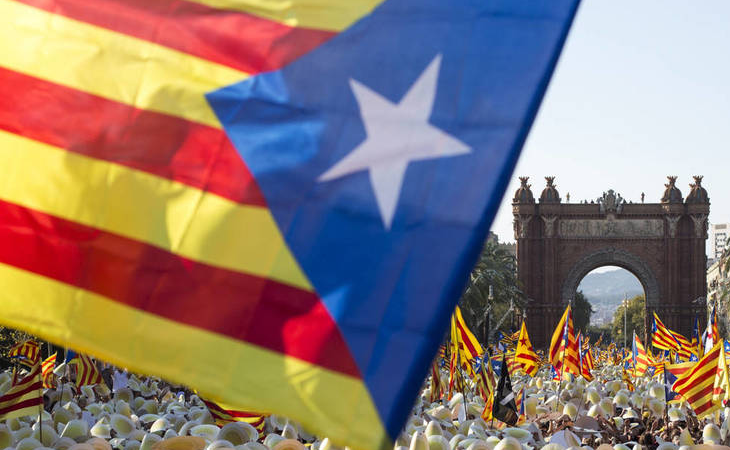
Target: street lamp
490,302
626,307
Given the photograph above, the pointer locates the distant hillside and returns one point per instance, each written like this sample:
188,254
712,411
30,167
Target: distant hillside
605,290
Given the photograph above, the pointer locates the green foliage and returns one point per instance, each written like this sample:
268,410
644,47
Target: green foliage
582,311
496,267
8,338
635,320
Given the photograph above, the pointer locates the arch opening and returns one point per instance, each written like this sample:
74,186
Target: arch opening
639,279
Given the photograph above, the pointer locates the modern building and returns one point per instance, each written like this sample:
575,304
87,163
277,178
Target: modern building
718,239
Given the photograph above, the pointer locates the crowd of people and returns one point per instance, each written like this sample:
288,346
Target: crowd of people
130,412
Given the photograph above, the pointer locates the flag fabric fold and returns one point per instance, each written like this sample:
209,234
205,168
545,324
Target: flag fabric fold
564,350
24,397
223,415
87,374
468,345
47,375
525,354
640,357
27,353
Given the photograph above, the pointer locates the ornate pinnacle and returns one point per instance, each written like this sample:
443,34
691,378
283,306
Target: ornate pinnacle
523,180
550,180
672,180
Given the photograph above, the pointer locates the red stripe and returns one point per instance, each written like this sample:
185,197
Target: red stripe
701,393
245,307
13,395
465,340
690,382
526,356
24,404
243,41
704,407
166,146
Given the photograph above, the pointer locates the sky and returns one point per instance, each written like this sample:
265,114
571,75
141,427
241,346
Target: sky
641,91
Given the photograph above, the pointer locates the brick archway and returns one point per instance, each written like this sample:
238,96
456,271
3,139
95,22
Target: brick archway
662,244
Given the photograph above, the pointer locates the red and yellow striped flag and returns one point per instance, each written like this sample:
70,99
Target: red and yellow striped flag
437,388
627,379
524,354
86,371
223,415
640,358
721,388
24,397
557,339
696,385
27,353
47,366
665,339
129,199
469,347
141,221
564,353
487,384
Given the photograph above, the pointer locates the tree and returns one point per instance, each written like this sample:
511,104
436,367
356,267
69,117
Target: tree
496,267
635,320
582,311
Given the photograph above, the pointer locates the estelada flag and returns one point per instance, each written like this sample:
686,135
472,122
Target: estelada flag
275,205
525,354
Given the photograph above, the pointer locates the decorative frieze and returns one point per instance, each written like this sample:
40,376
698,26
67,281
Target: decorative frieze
625,228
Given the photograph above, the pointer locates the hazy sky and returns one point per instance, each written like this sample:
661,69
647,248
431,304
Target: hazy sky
642,90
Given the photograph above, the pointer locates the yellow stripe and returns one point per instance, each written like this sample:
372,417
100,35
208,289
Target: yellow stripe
222,369
331,15
109,64
164,213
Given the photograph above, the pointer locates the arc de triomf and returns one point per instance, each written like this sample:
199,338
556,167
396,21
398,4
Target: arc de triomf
662,244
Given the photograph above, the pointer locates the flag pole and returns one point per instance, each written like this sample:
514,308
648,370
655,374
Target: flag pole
40,408
666,400
565,346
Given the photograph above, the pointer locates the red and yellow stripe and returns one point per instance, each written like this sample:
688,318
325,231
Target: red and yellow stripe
641,360
122,199
27,352
222,415
24,397
47,375
469,346
524,354
564,353
696,385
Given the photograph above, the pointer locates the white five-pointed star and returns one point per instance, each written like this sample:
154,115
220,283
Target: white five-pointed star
396,135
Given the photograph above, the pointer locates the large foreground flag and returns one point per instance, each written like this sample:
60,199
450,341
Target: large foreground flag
275,205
